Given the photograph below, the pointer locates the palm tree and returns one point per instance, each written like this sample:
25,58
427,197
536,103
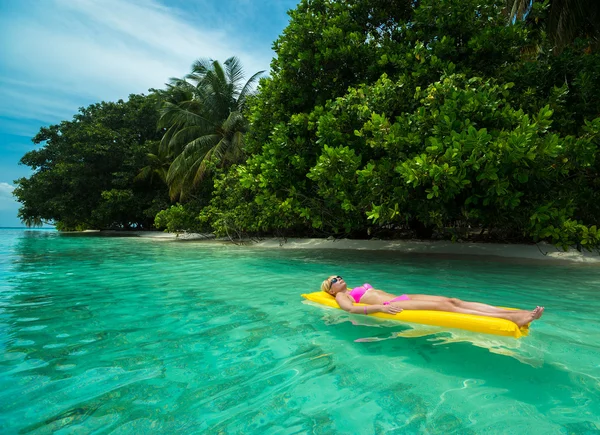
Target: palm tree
567,19
204,122
157,166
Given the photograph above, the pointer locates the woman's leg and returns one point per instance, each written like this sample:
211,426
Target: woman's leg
464,304
519,317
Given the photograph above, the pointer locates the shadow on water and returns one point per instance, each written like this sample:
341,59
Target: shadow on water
538,385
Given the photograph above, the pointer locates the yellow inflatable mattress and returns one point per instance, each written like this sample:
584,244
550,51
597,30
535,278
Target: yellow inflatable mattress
469,322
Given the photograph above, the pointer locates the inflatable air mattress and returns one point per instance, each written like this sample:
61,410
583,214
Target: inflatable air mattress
469,322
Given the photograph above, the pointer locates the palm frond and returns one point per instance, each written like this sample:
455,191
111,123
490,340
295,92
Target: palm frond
181,138
198,145
157,166
162,173
235,149
238,144
218,71
176,175
214,152
219,94
208,125
235,72
195,105
248,88
199,69
177,93
178,114
34,221
144,174
175,82
165,143
567,19
234,122
194,152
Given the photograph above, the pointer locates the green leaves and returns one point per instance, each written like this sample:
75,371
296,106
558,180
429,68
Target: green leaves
387,116
86,171
204,122
178,218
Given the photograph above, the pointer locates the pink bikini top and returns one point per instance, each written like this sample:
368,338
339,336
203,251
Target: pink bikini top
358,292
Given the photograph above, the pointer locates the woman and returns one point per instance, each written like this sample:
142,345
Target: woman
380,301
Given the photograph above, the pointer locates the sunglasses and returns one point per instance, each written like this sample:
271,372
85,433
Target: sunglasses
336,279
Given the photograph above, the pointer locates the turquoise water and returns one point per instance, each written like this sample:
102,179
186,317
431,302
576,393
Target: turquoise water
133,336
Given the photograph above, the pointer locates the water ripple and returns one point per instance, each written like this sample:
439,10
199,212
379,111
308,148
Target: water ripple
125,336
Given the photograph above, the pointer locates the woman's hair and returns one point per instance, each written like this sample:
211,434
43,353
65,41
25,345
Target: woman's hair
326,285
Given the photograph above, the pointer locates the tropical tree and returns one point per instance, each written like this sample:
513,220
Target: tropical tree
204,122
84,170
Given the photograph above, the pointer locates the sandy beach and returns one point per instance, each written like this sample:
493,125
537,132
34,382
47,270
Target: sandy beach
540,251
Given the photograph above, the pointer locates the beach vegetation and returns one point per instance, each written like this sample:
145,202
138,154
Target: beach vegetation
429,119
85,170
204,122
179,218
458,120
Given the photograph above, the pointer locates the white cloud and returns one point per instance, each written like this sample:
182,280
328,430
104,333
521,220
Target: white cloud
68,54
7,200
22,127
41,104
6,190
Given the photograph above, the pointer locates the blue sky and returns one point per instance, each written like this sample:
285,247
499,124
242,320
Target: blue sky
59,55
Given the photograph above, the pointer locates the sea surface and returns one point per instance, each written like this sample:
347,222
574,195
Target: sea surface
127,335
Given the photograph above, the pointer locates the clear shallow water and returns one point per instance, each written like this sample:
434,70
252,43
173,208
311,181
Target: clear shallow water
127,336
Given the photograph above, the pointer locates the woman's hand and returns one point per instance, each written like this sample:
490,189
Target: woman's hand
390,309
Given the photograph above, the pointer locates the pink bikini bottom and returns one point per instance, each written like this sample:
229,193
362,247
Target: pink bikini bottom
399,298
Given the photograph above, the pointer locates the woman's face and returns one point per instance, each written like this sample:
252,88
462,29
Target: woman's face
337,284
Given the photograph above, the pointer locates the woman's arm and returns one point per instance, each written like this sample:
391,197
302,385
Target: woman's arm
346,304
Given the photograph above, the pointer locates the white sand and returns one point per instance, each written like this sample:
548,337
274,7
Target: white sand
541,251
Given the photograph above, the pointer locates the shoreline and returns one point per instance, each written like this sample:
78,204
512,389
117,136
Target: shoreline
540,251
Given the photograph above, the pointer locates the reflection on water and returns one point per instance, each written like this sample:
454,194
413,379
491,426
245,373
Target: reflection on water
133,336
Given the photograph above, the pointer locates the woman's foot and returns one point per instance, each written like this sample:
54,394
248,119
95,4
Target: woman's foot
522,319
537,313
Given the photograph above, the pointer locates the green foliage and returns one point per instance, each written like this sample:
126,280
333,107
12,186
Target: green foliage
564,20
428,115
569,83
157,166
84,171
232,203
379,116
178,218
204,122
481,162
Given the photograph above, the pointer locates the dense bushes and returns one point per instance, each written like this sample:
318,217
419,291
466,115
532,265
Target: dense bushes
449,122
178,218
379,118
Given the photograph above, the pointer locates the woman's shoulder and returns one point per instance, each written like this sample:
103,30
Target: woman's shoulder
345,295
